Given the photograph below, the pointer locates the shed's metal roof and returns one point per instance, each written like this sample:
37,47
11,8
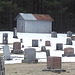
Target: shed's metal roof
28,16
43,17
35,17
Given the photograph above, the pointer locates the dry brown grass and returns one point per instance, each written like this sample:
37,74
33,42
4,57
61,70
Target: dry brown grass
36,69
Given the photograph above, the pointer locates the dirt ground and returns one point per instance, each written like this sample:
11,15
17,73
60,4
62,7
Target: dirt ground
36,69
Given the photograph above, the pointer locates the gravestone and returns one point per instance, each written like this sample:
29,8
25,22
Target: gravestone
53,62
21,40
43,48
29,55
69,34
17,48
2,68
68,41
73,38
5,38
34,43
22,46
15,33
47,53
59,46
69,51
6,52
54,34
47,43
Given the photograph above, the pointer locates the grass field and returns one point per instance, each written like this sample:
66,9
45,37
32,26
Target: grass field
36,69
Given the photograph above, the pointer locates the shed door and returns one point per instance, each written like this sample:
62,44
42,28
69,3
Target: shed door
21,25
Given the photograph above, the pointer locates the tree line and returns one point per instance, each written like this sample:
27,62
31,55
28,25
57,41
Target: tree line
62,11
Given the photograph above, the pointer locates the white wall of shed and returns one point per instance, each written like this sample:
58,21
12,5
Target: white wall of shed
20,24
38,26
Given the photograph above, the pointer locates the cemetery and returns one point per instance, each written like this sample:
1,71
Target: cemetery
37,53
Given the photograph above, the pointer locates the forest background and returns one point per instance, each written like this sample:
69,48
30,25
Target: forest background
62,11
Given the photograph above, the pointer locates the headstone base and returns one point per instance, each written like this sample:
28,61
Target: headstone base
17,51
30,61
68,55
8,58
54,70
15,37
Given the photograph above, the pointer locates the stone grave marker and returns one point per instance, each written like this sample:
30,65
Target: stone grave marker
53,62
21,40
29,55
68,41
54,34
6,52
17,48
5,38
69,51
69,34
73,38
47,43
43,48
15,33
59,46
2,67
47,53
34,43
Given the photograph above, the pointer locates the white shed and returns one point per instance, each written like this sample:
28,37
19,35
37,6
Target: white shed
34,23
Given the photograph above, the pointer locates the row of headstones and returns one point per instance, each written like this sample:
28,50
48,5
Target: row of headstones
16,50
48,43
35,42
30,57
54,34
52,62
2,67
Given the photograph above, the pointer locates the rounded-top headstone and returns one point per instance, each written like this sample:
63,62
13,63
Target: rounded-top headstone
43,48
69,34
59,46
68,41
54,34
17,46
